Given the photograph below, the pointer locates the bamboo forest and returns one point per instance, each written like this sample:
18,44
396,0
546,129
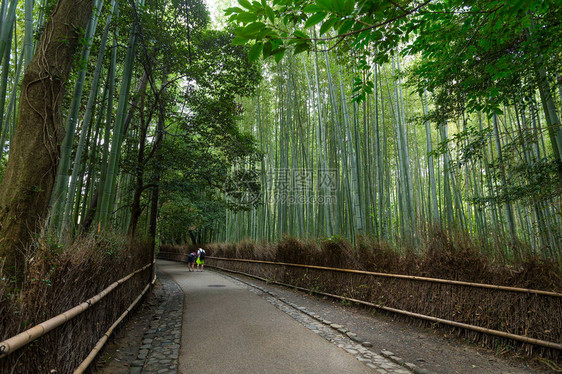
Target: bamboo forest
409,138
448,117
316,119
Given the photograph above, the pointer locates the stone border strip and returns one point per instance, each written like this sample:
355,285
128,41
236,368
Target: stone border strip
161,342
383,363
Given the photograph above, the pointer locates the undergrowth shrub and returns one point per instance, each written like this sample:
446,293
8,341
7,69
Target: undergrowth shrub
59,278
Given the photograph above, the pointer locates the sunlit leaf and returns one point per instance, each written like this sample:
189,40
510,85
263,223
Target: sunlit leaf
315,19
246,4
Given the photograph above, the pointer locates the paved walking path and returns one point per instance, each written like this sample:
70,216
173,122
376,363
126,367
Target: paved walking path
227,329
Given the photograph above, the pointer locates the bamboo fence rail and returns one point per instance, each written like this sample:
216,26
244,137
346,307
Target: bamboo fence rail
398,276
99,345
502,334
16,342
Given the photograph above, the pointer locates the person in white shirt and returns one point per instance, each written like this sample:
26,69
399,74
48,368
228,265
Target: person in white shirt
200,259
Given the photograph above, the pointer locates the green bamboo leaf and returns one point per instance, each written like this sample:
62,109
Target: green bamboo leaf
315,19
255,52
376,35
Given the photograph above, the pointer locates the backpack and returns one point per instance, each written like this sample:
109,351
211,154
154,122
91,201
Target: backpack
202,255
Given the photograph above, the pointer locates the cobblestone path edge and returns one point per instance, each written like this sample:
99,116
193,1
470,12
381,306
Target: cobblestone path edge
161,342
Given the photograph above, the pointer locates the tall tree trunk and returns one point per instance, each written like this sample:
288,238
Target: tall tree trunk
34,153
61,183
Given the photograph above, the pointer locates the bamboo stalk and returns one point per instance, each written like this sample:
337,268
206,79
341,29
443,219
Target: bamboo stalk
16,342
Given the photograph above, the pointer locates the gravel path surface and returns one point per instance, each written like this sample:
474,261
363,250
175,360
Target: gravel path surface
149,341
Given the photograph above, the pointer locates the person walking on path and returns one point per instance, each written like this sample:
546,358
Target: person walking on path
200,259
190,261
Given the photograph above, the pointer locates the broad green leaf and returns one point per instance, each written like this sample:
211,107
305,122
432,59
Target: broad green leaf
262,34
299,48
312,8
276,51
246,17
274,39
346,26
238,40
338,5
246,4
349,5
255,52
300,34
267,47
327,25
252,29
269,13
279,56
232,10
325,4
313,20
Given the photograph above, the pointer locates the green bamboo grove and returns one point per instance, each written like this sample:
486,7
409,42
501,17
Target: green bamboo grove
393,174
395,170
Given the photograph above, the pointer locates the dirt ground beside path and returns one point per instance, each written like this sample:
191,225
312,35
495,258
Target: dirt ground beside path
123,348
429,349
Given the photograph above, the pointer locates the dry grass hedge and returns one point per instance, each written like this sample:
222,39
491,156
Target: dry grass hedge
438,256
58,279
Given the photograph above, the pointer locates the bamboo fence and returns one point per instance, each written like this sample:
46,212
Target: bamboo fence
16,342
